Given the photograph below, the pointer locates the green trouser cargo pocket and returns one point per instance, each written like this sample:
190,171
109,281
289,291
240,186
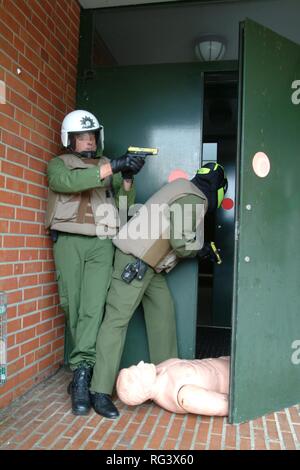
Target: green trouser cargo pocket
63,294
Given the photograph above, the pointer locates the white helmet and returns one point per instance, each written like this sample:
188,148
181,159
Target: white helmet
81,121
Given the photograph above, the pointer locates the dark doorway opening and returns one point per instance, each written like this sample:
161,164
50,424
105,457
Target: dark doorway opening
215,289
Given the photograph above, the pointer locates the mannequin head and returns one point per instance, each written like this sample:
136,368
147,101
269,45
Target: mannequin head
135,384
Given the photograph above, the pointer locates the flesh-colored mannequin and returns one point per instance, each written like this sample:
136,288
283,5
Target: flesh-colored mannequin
197,386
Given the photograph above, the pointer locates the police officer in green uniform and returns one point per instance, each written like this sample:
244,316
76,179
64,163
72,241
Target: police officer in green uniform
80,184
138,276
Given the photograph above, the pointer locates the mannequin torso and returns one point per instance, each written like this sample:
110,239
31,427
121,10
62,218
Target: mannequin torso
180,386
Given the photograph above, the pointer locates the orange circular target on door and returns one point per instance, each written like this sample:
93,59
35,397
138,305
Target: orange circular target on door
261,164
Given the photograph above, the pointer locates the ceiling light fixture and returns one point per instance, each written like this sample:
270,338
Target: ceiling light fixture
210,47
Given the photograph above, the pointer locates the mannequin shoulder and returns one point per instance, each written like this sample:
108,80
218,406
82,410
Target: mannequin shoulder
165,365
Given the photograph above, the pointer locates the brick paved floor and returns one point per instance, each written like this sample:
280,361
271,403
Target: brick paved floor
41,419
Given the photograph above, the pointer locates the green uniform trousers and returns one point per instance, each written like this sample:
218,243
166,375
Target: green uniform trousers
84,268
122,301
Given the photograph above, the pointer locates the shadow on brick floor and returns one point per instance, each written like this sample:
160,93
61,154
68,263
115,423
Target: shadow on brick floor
42,419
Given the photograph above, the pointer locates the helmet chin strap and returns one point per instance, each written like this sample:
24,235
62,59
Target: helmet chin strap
88,154
85,154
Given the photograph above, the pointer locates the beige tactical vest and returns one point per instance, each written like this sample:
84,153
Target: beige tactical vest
67,212
157,252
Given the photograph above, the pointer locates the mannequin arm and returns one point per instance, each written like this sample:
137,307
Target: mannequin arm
194,399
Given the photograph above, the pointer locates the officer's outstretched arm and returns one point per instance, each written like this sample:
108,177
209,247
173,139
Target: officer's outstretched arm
63,180
120,191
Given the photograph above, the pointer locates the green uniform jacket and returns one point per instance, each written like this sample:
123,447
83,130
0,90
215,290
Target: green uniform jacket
63,180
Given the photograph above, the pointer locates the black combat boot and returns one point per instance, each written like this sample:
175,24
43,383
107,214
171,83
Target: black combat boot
79,390
103,405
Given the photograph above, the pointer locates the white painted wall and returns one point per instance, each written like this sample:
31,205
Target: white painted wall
167,33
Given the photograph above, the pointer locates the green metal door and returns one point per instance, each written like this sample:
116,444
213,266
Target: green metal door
153,106
265,374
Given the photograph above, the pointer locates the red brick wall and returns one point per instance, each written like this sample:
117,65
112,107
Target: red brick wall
40,38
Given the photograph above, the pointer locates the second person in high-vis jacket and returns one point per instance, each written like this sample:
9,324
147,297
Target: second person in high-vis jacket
149,257
80,182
